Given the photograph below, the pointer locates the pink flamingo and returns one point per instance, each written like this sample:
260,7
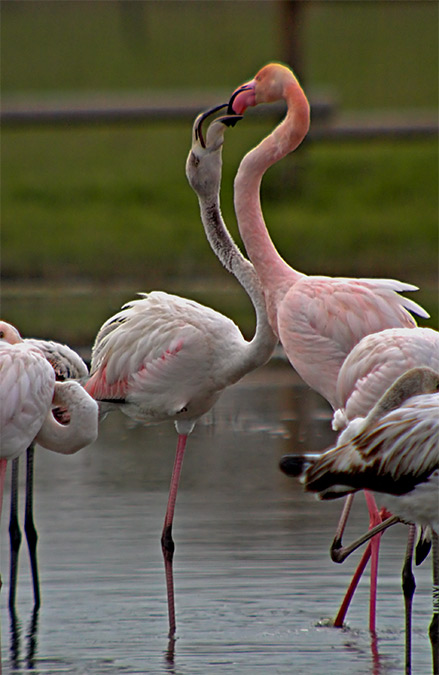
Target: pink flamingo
164,357
318,319
29,397
394,451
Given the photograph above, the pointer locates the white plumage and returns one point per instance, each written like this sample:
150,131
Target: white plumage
376,362
27,383
163,357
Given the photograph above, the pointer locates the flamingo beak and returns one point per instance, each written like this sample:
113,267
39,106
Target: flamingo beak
292,465
242,98
229,120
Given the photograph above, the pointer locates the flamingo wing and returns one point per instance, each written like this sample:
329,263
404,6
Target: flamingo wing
27,383
66,363
164,355
321,319
391,455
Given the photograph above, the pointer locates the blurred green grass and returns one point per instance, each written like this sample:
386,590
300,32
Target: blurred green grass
119,216
370,54
99,203
88,207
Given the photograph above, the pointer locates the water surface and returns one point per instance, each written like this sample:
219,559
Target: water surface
253,576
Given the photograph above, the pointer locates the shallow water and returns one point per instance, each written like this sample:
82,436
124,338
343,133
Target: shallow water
252,571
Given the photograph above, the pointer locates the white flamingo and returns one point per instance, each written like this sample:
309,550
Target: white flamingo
318,319
393,451
164,357
375,363
67,365
29,394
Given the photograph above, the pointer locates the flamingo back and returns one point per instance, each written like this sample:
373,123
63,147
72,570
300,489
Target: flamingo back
377,361
164,357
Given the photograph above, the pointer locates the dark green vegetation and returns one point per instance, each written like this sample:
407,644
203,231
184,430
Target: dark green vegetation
94,207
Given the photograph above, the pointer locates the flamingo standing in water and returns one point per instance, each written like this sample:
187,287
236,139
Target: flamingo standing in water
29,397
318,319
393,451
370,368
67,365
163,357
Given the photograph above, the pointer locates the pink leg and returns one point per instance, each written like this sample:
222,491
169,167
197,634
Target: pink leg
167,541
370,552
375,519
339,619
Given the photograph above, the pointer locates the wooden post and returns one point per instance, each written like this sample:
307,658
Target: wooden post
291,18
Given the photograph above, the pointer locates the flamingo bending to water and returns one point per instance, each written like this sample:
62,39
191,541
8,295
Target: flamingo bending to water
393,451
163,357
318,319
371,367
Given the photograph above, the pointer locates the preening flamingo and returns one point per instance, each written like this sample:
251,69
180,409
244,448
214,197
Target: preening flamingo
29,394
163,357
67,365
375,363
371,367
318,319
393,451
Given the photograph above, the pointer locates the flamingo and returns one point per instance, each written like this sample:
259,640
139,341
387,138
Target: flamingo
393,451
375,362
318,319
28,394
370,368
164,357
67,365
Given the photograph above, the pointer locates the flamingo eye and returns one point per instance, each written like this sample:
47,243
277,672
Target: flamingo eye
194,159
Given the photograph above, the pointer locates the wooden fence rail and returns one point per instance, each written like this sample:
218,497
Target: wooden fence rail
327,124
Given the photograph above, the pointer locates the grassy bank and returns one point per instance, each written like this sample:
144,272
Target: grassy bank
95,208
114,204
86,210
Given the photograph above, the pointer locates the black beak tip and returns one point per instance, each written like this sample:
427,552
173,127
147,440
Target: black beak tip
231,119
292,465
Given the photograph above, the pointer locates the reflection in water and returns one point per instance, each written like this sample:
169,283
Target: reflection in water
16,639
252,570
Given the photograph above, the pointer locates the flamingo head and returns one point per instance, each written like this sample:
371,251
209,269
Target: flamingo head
414,382
204,162
9,333
270,84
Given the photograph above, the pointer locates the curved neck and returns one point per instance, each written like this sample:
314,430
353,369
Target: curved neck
260,348
271,268
82,426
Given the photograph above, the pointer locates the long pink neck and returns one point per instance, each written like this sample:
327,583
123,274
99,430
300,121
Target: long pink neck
275,274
